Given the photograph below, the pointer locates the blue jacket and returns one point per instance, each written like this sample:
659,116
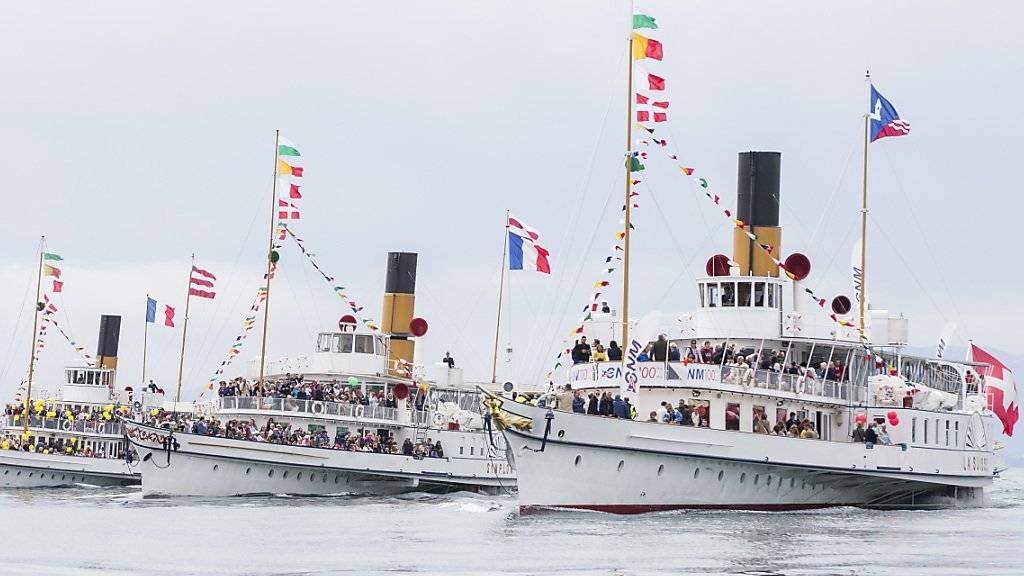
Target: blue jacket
619,408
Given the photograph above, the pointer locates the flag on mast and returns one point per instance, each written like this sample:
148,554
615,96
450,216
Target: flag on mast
523,251
885,121
1000,388
203,278
152,310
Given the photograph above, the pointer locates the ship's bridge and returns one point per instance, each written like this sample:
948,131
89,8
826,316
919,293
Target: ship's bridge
336,353
88,385
731,305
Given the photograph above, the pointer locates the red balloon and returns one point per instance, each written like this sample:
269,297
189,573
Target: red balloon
892,415
401,391
895,421
861,418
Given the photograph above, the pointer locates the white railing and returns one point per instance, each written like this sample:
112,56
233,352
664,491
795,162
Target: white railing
793,383
321,408
69,426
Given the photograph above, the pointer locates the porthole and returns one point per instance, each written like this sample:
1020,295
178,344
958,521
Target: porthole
284,475
621,464
215,466
31,474
62,476
577,461
768,482
661,469
311,477
721,474
756,478
298,477
561,433
325,478
743,477
6,472
248,470
696,473
53,476
271,473
803,485
337,479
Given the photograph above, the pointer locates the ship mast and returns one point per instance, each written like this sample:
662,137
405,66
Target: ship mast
35,327
864,218
628,166
501,289
184,333
270,264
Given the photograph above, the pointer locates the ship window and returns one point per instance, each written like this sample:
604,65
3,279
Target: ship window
756,478
346,344
771,296
759,294
577,461
284,474
248,470
378,347
936,430
925,430
298,476
621,464
700,294
768,482
696,473
713,295
661,469
271,473
732,416
913,429
721,474
744,294
471,449
364,344
743,477
792,482
215,466
947,432
956,433
728,293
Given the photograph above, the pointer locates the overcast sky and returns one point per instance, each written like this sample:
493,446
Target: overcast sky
137,133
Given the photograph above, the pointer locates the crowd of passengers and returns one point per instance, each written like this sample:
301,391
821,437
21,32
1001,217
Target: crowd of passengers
278,433
605,404
724,354
297,388
68,447
41,412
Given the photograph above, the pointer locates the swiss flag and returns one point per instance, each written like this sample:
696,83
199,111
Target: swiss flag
1000,388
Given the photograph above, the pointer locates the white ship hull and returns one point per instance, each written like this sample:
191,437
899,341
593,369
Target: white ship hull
31,470
213,466
595,463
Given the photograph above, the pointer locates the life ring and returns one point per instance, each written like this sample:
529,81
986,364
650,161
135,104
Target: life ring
437,419
137,405
66,426
314,408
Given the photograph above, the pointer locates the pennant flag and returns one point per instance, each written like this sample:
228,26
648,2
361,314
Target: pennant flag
58,286
884,119
293,192
288,170
51,271
634,164
50,256
152,307
1000,388
641,99
205,279
286,148
686,170
643,116
523,251
644,47
655,82
643,21
601,283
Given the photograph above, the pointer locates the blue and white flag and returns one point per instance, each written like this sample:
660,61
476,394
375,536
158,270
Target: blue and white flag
885,121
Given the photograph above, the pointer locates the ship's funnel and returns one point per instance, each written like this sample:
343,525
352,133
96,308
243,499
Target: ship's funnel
106,347
399,305
757,205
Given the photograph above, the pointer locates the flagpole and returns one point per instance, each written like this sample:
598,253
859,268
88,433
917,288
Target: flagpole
35,327
270,265
628,163
864,217
184,332
145,337
501,289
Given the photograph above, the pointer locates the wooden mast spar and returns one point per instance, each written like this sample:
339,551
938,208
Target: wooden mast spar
35,328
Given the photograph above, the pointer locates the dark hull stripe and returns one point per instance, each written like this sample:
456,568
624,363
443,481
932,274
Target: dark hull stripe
646,508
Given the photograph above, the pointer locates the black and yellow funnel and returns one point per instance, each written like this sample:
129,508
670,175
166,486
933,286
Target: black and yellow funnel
399,306
106,347
757,205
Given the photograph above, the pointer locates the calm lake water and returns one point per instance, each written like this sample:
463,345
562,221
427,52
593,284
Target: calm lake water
115,531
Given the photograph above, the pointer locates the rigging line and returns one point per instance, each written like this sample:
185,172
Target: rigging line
554,317
854,222
14,330
924,238
835,191
906,267
424,290
574,221
219,307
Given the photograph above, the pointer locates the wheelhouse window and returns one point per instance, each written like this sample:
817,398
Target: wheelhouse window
913,429
378,346
713,295
728,294
956,433
345,344
700,294
925,430
364,344
744,294
759,289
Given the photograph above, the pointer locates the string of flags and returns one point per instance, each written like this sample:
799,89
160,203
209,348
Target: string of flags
288,153
86,357
353,305
236,345
49,310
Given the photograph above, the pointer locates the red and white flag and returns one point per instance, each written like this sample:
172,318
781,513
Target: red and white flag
287,211
1000,388
204,279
